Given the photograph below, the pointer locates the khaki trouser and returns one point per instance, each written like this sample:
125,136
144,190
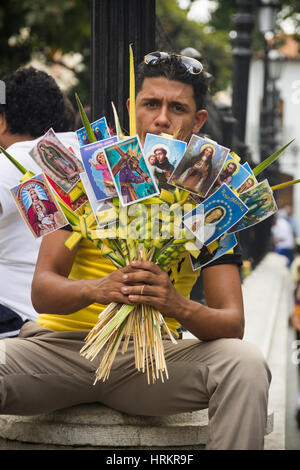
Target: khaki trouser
42,370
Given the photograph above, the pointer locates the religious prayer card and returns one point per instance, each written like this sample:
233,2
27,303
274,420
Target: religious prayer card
95,164
261,205
216,215
104,211
200,166
215,250
233,174
58,162
100,129
248,168
162,155
73,204
38,206
130,171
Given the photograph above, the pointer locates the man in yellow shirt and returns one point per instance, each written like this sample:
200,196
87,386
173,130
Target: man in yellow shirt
218,370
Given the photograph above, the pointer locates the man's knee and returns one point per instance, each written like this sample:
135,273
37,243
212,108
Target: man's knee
247,361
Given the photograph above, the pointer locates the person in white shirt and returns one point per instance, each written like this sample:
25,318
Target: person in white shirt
34,104
283,236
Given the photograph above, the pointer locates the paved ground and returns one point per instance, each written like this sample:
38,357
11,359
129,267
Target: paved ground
292,441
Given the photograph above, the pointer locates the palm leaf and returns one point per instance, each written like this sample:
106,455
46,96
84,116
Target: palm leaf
88,128
286,184
132,118
263,165
13,161
119,132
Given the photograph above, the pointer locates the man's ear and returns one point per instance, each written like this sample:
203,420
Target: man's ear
3,124
201,117
127,105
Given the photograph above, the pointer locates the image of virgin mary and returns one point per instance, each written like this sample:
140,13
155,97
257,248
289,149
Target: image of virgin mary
66,168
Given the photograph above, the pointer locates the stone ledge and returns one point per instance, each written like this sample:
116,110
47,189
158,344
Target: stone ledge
96,425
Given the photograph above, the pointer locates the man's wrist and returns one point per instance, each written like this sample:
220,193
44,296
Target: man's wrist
91,291
184,310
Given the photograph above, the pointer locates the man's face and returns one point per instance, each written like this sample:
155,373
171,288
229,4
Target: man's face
160,155
167,106
231,167
133,165
249,183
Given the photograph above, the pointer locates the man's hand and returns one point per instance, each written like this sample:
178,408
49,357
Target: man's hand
109,288
145,283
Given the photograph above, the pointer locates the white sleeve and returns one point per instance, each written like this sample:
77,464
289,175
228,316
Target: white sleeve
10,177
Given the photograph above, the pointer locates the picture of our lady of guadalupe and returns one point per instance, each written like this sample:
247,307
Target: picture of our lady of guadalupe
58,162
199,167
38,206
132,177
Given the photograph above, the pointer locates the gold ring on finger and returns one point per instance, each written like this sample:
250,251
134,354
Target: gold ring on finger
142,289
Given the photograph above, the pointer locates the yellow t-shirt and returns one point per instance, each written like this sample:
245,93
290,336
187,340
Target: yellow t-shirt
89,264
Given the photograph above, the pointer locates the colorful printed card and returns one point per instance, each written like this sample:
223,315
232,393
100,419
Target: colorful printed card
130,172
216,215
233,174
100,129
104,211
66,197
261,204
95,164
58,162
214,251
162,155
38,206
200,166
248,168
249,182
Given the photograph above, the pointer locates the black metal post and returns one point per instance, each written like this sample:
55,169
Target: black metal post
244,23
114,25
265,114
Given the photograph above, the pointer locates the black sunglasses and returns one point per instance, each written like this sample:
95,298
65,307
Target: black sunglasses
193,66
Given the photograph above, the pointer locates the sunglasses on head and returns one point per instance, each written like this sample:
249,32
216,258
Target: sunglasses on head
193,66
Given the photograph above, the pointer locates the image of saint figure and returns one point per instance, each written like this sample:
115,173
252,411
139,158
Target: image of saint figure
98,133
249,183
55,159
132,178
227,174
163,168
206,227
129,177
101,165
41,213
200,168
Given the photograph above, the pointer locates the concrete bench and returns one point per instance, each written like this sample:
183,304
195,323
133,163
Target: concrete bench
97,426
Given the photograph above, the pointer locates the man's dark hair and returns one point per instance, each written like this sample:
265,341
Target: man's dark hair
34,103
172,69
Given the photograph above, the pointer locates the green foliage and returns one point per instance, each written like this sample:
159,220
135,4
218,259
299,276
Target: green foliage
213,45
43,28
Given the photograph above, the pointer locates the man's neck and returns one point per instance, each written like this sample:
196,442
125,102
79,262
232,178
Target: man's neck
10,139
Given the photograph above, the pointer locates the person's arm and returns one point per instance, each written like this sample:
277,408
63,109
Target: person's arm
53,292
92,162
223,317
